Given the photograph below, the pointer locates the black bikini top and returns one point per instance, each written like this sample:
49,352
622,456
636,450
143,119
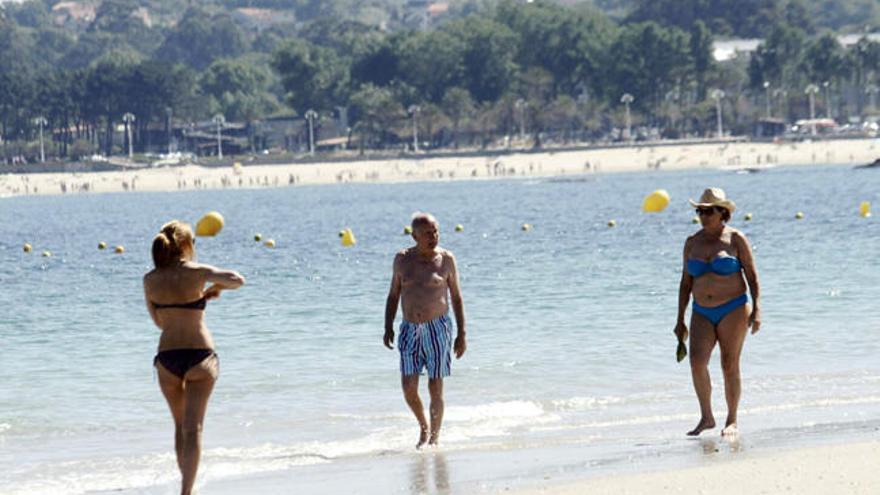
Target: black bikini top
199,305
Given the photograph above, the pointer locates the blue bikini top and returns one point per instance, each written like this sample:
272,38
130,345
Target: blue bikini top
722,265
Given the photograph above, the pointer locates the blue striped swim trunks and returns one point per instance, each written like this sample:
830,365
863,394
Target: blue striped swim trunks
426,345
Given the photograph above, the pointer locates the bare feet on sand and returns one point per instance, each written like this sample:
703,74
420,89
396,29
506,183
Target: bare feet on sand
423,438
704,424
435,439
730,430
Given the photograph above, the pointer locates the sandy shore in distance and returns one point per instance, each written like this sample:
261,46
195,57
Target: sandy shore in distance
842,469
550,163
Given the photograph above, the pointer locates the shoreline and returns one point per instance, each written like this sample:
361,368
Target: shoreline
842,463
549,163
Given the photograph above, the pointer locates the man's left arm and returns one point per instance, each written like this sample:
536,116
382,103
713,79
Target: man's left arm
460,345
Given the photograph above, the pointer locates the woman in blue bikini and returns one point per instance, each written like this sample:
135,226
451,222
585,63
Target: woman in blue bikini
718,264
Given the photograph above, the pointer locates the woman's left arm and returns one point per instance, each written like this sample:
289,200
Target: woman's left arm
744,252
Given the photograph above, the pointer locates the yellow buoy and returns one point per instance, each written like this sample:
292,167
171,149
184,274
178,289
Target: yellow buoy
102,245
526,227
270,243
865,209
695,220
656,202
406,230
27,248
47,254
799,215
258,237
119,250
612,223
459,228
210,224
748,217
348,238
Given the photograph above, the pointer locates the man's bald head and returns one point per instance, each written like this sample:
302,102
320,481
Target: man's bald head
422,219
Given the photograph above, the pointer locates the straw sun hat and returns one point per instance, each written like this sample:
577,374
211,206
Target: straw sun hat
714,196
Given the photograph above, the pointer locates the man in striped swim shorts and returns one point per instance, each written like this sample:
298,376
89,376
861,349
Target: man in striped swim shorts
425,281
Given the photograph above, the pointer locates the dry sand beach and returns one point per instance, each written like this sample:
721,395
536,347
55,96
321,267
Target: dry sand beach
663,156
840,469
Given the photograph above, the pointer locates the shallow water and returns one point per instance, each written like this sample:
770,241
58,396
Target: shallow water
569,324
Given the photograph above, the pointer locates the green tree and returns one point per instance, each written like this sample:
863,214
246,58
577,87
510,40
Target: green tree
238,89
431,62
120,18
459,106
648,61
488,56
376,112
701,54
744,18
825,60
106,93
312,76
200,38
777,58
564,42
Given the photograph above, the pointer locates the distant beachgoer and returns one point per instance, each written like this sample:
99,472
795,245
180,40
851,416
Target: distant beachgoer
186,362
718,263
425,280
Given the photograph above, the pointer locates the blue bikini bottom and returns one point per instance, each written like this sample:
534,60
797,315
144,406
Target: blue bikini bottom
717,313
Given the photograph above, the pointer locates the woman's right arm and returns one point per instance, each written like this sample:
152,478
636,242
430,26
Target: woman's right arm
684,294
221,279
150,308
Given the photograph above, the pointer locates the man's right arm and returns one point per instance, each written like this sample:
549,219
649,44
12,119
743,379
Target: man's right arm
392,302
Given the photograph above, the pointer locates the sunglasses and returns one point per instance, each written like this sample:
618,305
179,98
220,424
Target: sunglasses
706,211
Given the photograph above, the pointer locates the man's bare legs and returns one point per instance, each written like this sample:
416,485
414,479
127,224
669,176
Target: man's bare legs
702,342
410,385
435,388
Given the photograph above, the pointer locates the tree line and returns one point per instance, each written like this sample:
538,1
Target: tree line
489,71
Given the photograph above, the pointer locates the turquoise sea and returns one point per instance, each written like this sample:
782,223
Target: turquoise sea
570,370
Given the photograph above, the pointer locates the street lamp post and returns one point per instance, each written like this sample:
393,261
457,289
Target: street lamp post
811,91
169,114
219,119
718,95
521,108
414,111
41,121
626,99
781,94
872,91
827,86
128,118
767,97
311,115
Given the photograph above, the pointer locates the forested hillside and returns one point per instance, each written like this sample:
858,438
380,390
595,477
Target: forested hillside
473,71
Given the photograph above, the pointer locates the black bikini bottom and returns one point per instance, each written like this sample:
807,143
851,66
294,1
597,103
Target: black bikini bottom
179,361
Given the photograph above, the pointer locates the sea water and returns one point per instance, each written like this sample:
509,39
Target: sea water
571,357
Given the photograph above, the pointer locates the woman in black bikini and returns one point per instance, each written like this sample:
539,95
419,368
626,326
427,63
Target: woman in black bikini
186,363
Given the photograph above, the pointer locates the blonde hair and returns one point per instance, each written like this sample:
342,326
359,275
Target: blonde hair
173,242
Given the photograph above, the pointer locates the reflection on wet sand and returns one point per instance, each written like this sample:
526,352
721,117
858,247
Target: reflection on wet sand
429,474
730,445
